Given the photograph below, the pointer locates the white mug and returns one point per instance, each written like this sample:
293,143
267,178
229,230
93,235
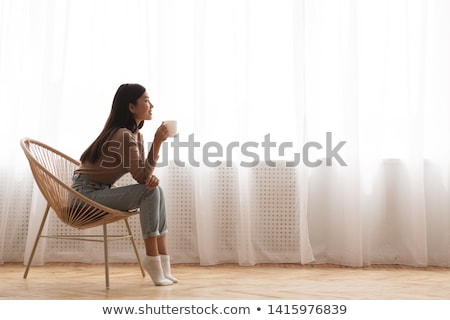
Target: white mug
171,125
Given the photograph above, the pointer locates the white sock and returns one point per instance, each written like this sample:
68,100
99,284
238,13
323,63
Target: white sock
165,263
153,266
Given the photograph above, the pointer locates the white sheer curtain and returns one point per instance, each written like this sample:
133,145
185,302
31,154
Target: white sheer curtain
372,74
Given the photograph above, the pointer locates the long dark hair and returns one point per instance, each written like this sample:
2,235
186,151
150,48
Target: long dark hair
120,117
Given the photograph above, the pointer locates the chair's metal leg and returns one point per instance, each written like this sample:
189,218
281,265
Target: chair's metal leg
133,243
105,246
36,241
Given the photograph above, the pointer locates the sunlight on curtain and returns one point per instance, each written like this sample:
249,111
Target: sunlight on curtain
248,80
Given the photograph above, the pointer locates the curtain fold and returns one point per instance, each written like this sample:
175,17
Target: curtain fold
309,131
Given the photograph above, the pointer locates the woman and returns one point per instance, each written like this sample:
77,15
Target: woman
119,149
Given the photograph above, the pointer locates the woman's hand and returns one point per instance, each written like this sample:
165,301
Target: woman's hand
162,133
152,182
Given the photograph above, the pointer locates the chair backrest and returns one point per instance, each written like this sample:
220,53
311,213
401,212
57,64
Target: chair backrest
53,171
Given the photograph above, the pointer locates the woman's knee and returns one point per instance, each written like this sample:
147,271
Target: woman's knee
153,194
161,192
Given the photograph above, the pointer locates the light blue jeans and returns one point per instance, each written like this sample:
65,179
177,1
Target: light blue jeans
151,202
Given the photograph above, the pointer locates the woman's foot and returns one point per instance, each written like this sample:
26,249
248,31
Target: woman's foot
165,263
154,268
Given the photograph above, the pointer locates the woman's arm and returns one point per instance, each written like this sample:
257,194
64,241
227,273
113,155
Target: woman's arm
161,135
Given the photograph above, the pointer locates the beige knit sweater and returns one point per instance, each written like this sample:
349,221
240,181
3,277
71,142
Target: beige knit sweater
122,153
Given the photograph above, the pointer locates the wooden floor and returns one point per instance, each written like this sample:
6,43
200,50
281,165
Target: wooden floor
227,282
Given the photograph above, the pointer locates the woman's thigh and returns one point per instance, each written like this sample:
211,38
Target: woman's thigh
121,198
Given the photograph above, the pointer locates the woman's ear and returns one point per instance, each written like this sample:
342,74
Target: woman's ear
131,107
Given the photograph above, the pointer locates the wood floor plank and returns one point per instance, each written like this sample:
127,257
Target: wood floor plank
230,282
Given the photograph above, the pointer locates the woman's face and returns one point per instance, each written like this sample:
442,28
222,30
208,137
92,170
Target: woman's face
142,110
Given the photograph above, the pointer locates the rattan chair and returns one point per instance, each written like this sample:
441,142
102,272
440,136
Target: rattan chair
52,170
